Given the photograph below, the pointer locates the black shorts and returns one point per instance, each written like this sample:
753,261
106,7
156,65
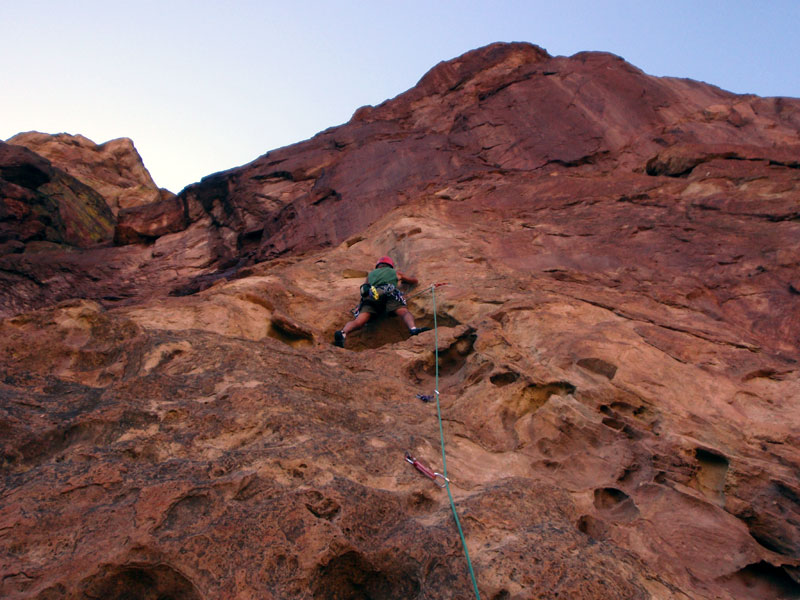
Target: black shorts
392,304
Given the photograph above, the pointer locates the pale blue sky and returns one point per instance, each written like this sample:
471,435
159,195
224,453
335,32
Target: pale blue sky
202,86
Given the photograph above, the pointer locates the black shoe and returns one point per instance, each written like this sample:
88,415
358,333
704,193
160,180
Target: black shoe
418,330
338,339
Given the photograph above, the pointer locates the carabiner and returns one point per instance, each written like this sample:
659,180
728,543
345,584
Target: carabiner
428,472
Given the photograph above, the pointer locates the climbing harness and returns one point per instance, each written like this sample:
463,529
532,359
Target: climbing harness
427,471
379,294
367,293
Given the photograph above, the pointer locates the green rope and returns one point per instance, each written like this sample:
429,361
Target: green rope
444,457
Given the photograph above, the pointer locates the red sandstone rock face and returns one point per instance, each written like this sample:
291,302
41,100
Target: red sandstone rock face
113,169
39,203
46,215
618,358
151,221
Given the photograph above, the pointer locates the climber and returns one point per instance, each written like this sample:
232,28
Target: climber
379,294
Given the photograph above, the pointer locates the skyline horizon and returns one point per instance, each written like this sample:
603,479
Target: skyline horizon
201,90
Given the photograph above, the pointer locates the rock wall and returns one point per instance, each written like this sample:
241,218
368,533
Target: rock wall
617,343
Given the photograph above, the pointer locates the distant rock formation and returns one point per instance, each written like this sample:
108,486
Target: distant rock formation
113,169
617,340
40,203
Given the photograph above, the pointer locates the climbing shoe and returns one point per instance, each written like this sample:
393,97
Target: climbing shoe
418,330
338,339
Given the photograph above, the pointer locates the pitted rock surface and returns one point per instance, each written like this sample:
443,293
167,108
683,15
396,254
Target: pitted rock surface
617,342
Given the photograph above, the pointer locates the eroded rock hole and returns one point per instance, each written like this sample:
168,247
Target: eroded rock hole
249,241
158,582
504,378
709,478
632,433
598,366
479,373
762,580
351,576
451,360
615,504
605,498
629,473
379,331
776,529
613,423
616,409
769,538
290,337
455,356
594,528
532,397
390,329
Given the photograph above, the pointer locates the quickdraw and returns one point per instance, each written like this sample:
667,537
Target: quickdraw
427,471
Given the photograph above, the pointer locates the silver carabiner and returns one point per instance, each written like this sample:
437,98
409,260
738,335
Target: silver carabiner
441,485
